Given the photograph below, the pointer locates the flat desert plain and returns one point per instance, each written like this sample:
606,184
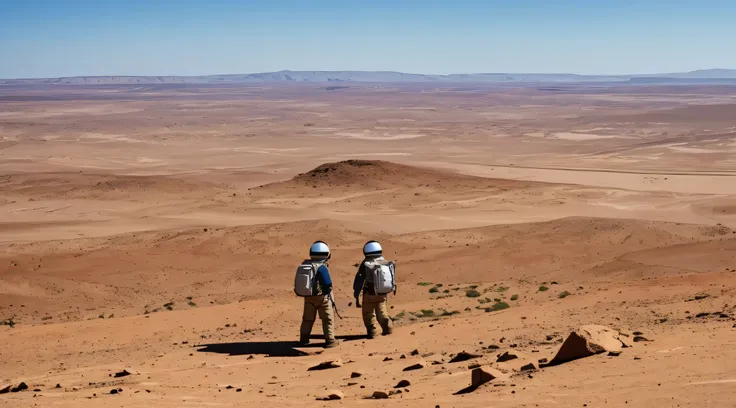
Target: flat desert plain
157,229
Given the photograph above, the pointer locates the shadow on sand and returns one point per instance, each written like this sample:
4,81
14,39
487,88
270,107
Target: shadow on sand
269,348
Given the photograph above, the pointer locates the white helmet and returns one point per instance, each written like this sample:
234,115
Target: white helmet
319,251
372,248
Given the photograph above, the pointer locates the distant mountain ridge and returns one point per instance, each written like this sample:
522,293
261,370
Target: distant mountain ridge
698,76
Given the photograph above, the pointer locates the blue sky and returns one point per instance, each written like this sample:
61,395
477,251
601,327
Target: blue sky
47,38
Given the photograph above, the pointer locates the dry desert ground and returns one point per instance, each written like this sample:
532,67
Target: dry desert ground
156,229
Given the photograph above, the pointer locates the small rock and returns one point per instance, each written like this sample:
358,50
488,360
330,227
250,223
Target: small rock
229,387
480,376
123,373
507,356
463,356
542,360
402,384
333,395
58,386
640,338
379,395
113,391
5,390
637,333
326,365
414,352
493,347
21,387
403,357
528,367
417,366
238,389
614,353
36,390
388,359
356,375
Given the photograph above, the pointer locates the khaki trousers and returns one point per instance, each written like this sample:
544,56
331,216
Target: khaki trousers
321,305
375,307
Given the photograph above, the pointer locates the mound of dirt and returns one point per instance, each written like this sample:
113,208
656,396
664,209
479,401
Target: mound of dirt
379,174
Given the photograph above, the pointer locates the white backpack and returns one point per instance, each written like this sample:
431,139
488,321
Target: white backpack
382,273
306,275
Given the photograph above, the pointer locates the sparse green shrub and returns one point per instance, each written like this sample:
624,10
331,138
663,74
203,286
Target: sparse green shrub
169,306
424,283
502,289
433,290
484,301
498,306
564,294
472,293
101,316
543,288
8,322
515,297
192,304
448,313
446,291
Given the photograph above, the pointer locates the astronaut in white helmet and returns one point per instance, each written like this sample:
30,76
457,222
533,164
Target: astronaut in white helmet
320,301
374,306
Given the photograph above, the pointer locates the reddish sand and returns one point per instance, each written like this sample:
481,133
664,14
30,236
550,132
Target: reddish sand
159,231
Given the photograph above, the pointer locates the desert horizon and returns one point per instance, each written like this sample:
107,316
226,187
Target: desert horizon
713,76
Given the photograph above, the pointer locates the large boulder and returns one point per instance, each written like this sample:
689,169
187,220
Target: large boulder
588,341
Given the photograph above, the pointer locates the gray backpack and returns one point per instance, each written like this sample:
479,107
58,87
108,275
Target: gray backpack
381,273
306,278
